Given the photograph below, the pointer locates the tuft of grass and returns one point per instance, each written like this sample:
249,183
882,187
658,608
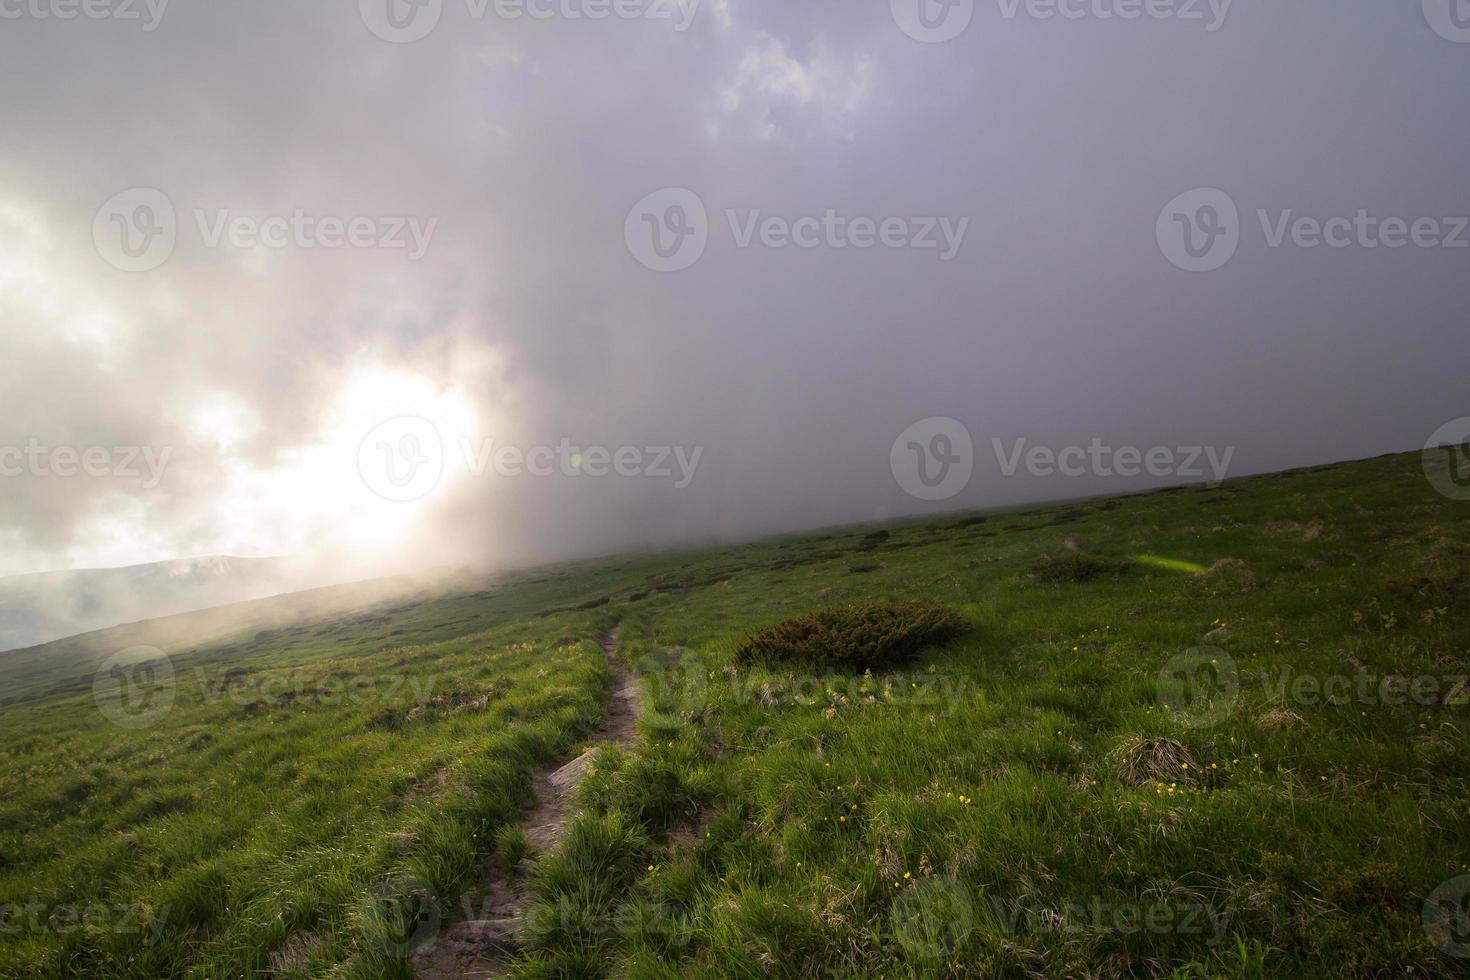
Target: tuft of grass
1073,566
1140,759
862,636
511,846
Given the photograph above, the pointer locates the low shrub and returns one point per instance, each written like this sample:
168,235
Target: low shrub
1073,566
856,637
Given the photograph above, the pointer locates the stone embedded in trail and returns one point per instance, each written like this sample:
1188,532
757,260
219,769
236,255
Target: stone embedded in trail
571,774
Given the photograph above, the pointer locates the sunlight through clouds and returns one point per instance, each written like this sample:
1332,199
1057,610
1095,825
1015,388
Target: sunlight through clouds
312,496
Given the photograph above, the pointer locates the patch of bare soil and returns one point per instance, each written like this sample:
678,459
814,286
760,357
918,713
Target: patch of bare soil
482,944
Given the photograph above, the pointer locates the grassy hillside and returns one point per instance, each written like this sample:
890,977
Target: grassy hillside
1204,732
42,607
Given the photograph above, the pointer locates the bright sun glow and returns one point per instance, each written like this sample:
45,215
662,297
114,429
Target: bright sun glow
315,496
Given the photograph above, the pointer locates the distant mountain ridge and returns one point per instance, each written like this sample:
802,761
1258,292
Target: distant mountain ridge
45,606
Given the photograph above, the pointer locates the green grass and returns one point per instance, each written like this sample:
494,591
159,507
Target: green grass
1183,767
264,810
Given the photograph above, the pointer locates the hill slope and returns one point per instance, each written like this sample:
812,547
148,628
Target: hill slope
1206,732
38,608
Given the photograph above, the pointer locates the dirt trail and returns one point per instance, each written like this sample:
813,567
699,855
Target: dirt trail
480,947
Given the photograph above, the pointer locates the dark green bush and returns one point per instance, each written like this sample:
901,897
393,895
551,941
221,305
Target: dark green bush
1073,566
855,637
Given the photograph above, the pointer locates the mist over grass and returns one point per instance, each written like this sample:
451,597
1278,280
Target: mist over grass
1152,771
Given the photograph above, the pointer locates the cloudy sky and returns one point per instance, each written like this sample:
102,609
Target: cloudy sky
320,278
